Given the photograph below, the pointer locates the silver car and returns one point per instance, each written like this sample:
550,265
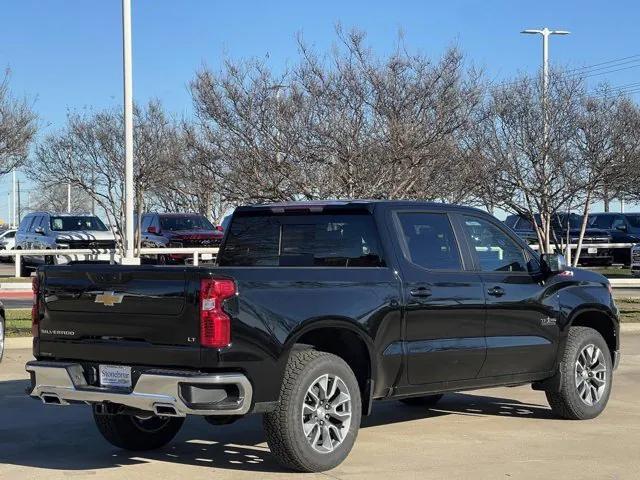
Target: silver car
47,230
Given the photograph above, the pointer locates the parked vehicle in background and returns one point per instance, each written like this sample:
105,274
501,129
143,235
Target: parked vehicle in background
622,227
48,230
177,230
314,310
561,225
635,260
7,242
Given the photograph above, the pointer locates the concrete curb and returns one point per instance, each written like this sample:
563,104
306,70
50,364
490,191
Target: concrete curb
15,286
16,343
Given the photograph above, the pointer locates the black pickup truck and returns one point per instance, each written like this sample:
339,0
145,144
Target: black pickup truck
313,311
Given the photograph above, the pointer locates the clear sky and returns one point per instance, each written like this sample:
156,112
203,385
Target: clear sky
66,54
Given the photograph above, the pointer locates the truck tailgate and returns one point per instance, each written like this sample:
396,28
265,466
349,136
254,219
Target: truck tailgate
136,311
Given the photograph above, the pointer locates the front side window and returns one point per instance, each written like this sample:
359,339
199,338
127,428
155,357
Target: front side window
430,241
495,250
76,223
603,221
323,240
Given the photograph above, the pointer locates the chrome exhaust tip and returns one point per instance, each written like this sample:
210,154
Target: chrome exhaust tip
166,410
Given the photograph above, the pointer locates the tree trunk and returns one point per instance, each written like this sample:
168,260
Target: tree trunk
583,227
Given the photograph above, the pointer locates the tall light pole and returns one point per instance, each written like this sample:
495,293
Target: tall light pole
128,135
545,33
278,88
14,203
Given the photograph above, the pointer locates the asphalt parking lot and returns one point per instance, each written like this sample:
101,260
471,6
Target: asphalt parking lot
498,433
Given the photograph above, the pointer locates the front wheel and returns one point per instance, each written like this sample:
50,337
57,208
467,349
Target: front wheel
586,370
132,432
318,416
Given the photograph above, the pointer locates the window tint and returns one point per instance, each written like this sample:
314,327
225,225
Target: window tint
299,241
524,224
10,235
634,220
603,221
24,224
73,223
186,222
430,240
146,221
495,250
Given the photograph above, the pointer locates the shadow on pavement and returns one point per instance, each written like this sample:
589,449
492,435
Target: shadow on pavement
65,438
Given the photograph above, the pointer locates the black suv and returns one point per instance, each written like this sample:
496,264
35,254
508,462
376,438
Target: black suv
622,227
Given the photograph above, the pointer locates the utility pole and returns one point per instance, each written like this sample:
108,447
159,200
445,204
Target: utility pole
68,197
19,204
278,88
129,258
13,211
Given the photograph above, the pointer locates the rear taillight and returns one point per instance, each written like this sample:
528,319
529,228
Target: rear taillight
215,324
35,312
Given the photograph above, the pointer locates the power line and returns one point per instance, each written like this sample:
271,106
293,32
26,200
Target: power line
586,67
607,68
611,71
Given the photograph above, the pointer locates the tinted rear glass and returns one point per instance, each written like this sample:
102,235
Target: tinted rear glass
302,241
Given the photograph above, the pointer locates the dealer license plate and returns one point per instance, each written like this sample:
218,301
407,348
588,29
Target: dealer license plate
592,250
207,256
115,376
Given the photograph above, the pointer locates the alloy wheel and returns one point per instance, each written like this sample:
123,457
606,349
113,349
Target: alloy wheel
591,374
326,413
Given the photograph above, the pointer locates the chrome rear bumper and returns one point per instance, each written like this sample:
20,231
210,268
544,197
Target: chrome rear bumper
166,394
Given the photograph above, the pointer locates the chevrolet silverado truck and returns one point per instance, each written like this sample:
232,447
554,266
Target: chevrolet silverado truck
313,311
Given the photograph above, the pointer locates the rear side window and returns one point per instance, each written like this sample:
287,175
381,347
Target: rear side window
302,241
430,241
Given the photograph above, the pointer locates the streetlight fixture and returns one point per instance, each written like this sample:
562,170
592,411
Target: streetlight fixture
545,32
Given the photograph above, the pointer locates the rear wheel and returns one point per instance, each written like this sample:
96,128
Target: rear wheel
132,432
318,415
425,401
585,372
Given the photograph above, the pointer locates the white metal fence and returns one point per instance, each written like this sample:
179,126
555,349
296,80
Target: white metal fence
110,255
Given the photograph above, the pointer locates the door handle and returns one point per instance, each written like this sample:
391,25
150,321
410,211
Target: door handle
421,292
496,291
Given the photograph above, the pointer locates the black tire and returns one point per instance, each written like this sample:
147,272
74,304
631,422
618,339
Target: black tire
425,401
132,433
567,402
283,427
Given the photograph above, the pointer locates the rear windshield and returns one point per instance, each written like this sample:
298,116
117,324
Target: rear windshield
186,222
302,241
70,224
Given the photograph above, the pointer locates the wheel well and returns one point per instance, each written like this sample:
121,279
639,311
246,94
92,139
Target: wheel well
349,346
600,322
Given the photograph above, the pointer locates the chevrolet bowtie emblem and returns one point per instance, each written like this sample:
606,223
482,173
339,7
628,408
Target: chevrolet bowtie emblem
109,299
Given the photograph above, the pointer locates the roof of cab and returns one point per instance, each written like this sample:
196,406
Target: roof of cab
319,205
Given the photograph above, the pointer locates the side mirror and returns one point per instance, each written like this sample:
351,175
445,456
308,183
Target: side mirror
554,262
152,229
622,228
39,230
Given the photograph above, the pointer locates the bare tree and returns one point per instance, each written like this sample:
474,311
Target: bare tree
606,143
348,125
530,171
89,154
17,128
